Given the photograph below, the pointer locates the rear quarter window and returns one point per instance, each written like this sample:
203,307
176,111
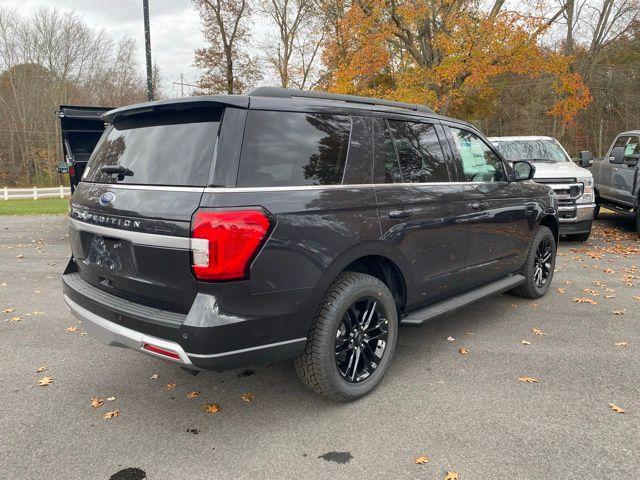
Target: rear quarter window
173,149
294,149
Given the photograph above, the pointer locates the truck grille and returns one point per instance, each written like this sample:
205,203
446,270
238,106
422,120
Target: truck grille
568,190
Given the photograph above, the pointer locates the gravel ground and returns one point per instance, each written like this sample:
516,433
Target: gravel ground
466,413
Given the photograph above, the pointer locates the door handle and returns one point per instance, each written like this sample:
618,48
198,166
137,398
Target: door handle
479,205
400,213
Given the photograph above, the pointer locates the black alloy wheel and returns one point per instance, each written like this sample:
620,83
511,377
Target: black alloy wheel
361,339
542,263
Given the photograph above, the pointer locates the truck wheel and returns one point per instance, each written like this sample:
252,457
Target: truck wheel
539,265
352,339
579,237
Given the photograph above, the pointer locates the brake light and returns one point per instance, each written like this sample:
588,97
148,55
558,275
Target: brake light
224,242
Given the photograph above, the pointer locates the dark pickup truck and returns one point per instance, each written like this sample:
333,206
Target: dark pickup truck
81,128
617,176
221,231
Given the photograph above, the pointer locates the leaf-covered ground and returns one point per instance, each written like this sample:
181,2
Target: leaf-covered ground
507,388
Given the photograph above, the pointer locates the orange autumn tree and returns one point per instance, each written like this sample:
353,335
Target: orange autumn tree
445,54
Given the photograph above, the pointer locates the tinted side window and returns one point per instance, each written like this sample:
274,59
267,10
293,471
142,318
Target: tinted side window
392,171
293,149
479,163
421,158
631,145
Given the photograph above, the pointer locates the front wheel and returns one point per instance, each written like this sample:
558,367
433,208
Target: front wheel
352,339
539,265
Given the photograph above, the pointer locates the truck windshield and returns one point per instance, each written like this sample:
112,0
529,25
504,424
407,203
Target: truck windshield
170,149
532,150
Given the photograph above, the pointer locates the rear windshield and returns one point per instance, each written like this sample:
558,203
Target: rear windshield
168,149
294,149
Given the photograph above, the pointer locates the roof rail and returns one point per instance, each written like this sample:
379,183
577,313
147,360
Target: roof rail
290,93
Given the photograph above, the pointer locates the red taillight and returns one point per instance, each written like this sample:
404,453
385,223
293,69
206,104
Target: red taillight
223,243
161,351
72,171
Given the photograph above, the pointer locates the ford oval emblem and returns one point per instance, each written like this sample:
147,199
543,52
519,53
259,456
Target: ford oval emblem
107,198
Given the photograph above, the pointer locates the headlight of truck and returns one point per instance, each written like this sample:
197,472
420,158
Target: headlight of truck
588,195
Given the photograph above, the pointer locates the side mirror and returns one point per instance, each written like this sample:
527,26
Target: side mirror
63,167
523,170
586,159
617,155
632,160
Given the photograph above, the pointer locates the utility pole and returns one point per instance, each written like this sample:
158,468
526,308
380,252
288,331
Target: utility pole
147,44
183,84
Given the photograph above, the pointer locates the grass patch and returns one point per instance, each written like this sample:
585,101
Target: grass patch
25,206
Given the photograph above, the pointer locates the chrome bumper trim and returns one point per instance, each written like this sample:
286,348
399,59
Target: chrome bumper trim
111,333
584,213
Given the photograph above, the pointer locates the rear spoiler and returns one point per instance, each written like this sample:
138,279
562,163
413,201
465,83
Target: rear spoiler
238,101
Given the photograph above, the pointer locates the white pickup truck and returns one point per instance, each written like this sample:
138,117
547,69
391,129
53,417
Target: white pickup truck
573,184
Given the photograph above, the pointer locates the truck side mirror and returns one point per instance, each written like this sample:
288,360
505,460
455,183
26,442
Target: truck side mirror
523,170
632,160
617,155
586,159
63,167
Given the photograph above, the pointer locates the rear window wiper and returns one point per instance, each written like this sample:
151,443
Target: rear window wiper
118,170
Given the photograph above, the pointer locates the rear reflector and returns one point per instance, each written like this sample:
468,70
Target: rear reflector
161,351
223,243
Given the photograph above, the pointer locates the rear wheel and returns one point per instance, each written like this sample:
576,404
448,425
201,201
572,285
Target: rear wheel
351,342
539,265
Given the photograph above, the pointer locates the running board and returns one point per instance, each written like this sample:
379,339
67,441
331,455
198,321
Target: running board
418,317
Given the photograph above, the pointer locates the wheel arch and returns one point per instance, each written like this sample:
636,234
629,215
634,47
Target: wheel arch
552,223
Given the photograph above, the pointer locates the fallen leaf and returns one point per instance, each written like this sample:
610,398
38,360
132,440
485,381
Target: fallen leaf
609,271
40,369
590,291
111,414
585,300
450,339
609,296
9,310
622,344
451,476
154,376
468,333
464,351
422,460
193,394
534,305
37,313
44,381
248,396
96,402
616,408
618,312
528,379
170,386
637,298
524,342
15,319
513,305
538,332
19,256
567,282
73,329
211,408
562,290
110,399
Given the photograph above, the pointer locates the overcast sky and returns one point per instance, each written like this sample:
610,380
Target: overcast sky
175,30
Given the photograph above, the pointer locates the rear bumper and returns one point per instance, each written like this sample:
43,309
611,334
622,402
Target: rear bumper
213,346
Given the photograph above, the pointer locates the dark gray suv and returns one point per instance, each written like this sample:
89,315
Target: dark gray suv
217,232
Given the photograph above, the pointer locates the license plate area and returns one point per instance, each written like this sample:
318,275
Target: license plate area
108,253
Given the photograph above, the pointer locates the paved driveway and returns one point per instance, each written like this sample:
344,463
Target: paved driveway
468,414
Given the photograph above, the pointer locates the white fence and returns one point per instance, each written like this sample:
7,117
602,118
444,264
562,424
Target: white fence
35,192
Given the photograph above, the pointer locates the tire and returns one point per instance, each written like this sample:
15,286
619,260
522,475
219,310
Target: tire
596,212
530,288
579,237
350,295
